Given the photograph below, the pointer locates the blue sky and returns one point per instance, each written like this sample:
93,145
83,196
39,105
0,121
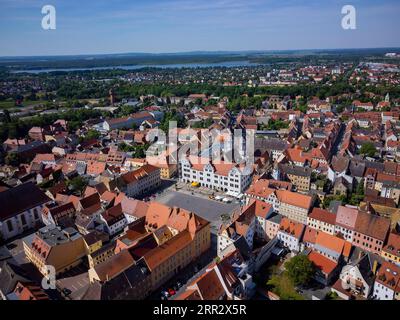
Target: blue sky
105,26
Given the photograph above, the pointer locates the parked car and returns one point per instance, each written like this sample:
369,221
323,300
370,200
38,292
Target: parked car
171,291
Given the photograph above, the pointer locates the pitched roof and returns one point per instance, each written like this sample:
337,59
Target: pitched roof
346,217
210,286
90,201
291,227
327,266
389,276
163,252
372,225
393,245
134,207
310,235
19,199
114,265
259,208
333,243
294,199
138,174
323,215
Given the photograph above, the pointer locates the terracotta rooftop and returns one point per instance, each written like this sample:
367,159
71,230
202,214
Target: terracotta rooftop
210,286
291,227
163,252
115,265
327,266
372,225
294,199
323,215
333,243
393,245
346,217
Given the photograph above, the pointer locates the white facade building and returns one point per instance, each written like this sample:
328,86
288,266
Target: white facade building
223,176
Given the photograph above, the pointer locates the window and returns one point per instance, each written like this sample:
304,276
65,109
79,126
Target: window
23,219
9,225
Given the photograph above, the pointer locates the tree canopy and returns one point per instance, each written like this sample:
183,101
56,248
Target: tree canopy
300,269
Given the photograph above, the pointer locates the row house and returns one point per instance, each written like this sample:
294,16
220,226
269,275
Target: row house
387,282
141,180
290,234
243,225
262,211
300,177
391,251
345,222
114,220
322,220
294,206
370,232
21,209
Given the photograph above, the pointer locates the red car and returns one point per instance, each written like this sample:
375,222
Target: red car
171,291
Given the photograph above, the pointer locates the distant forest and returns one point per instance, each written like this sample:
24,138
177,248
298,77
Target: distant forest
262,57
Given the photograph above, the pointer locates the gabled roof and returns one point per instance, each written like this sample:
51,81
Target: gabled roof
323,215
115,265
259,208
295,229
210,286
346,217
333,243
372,225
295,199
389,276
19,199
325,265
393,244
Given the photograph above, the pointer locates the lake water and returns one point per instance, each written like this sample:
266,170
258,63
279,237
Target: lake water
136,67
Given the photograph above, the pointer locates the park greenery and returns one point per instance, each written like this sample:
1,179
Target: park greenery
368,149
300,270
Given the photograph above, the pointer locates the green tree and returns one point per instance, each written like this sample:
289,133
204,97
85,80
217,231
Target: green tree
300,269
77,184
6,116
92,134
368,149
12,159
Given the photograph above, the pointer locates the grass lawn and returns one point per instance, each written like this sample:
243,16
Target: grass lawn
7,104
11,104
283,287
279,282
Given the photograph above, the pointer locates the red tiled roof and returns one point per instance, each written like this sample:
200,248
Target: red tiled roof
323,215
327,266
